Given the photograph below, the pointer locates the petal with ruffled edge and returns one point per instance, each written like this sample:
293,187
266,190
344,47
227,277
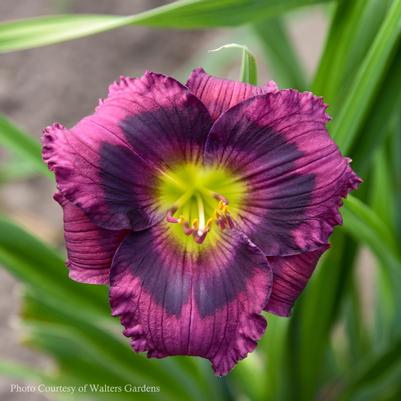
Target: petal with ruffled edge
295,175
219,94
290,276
205,301
90,248
107,163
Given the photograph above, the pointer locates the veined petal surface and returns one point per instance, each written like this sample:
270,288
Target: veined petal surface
290,276
107,164
177,300
278,145
219,94
90,249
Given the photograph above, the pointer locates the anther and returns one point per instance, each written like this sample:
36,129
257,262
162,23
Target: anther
187,229
169,217
221,198
200,238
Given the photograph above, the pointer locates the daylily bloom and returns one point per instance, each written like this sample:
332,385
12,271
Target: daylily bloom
199,205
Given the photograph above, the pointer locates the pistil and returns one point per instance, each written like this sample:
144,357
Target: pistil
198,199
200,227
201,214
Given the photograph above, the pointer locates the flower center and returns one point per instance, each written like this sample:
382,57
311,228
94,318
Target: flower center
197,199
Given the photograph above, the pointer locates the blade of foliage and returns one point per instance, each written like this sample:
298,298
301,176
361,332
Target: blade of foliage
22,144
82,363
275,362
380,119
309,336
352,31
280,53
248,67
42,269
74,305
383,201
366,82
367,227
16,169
315,315
357,333
395,146
24,34
17,370
112,354
376,368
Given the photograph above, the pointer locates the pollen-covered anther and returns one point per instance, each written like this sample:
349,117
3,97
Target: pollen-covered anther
170,216
206,216
187,229
221,198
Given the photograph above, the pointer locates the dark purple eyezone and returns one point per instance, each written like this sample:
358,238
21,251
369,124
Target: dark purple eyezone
200,206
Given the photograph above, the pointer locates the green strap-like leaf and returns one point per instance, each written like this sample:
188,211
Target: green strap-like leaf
34,32
380,119
366,226
22,144
248,68
353,28
280,53
17,370
372,370
365,85
42,269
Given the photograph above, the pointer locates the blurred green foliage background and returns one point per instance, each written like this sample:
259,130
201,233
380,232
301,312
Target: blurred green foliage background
343,342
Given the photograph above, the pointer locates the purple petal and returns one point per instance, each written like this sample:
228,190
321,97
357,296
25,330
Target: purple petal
90,248
219,94
107,164
296,177
290,276
204,302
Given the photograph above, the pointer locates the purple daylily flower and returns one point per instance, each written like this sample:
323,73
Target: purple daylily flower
200,206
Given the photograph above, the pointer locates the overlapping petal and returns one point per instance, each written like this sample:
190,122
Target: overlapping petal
296,177
219,94
176,301
90,248
175,295
290,276
107,164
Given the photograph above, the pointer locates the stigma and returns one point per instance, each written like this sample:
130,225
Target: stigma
212,211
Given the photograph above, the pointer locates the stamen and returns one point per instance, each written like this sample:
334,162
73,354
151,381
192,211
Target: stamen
187,229
169,217
195,224
201,225
201,214
221,198
200,238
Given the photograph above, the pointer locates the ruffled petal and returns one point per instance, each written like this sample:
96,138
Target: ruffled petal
290,276
173,300
107,164
295,175
219,94
90,248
